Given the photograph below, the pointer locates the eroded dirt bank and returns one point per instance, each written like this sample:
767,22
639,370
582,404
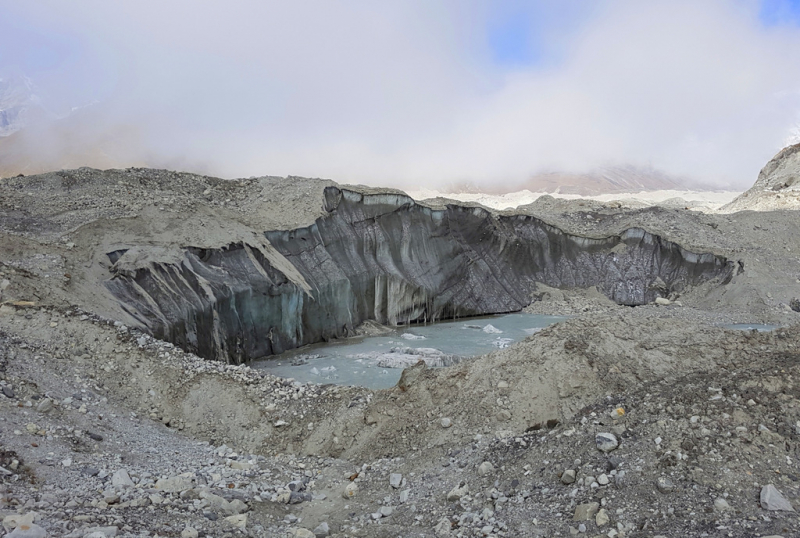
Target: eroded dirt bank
105,427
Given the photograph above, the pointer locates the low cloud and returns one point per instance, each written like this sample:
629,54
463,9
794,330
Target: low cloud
409,93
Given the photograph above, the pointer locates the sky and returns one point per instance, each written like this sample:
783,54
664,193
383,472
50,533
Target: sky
420,92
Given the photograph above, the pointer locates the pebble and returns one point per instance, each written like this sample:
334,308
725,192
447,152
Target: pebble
585,512
45,405
485,468
395,480
404,495
606,442
457,492
446,422
189,532
350,490
601,518
238,521
568,476
121,479
602,480
665,485
322,530
721,505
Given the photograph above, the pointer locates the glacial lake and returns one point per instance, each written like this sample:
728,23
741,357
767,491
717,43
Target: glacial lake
377,361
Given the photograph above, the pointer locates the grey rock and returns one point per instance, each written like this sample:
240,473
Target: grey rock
296,485
772,499
350,490
485,468
31,530
794,304
586,512
457,492
102,532
606,442
386,511
8,391
322,530
297,497
395,480
404,495
665,485
121,479
721,505
568,476
90,471
446,422
45,405
174,484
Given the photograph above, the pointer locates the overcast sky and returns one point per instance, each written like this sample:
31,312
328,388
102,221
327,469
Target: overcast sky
424,93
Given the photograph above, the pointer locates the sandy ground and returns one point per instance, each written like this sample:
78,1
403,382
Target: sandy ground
105,431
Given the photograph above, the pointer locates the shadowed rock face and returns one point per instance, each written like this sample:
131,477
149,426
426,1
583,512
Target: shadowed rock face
383,257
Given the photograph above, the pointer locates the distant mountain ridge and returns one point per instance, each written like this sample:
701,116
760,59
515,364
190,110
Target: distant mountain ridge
598,181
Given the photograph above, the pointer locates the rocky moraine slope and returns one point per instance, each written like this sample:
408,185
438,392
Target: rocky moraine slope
642,415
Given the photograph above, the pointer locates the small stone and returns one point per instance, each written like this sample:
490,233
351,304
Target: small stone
485,468
350,490
27,530
585,512
772,499
404,495
238,521
174,484
446,422
322,530
662,301
568,476
301,533
443,527
8,391
606,442
457,492
665,485
121,479
189,532
582,527
386,511
395,480
602,479
102,532
601,518
721,505
45,405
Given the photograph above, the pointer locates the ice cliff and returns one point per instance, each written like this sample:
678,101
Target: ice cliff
384,257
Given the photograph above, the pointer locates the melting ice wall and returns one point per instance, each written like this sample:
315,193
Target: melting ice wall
383,257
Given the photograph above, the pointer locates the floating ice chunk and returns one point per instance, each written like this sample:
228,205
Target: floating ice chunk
403,357
472,327
329,369
314,371
491,329
503,343
409,336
